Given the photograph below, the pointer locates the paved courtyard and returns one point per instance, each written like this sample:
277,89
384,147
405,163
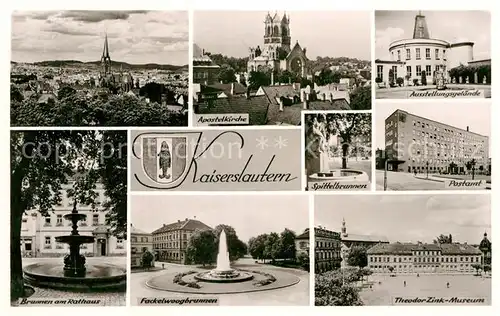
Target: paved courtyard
352,163
106,299
461,286
297,294
400,181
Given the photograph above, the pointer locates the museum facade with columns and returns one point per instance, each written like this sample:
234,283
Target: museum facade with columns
410,58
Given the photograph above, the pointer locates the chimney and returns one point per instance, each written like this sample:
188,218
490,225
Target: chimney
272,78
281,104
232,88
467,128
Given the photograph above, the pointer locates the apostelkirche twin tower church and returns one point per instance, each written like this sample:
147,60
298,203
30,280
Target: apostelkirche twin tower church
277,54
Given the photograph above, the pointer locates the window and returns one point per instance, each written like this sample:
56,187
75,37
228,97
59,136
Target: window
436,54
417,53
408,54
444,54
427,53
428,70
47,220
419,71
95,219
408,71
380,72
59,220
399,55
47,242
394,72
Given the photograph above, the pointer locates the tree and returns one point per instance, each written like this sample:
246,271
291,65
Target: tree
361,98
348,126
202,247
303,260
15,94
286,77
257,245
153,91
366,272
327,76
477,267
287,244
42,162
257,79
147,259
487,268
65,92
226,74
443,239
357,257
236,248
400,81
331,290
272,247
391,78
98,110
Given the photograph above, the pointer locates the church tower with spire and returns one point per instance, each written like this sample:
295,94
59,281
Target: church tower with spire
105,58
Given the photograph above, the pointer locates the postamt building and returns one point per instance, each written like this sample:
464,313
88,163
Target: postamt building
410,57
417,144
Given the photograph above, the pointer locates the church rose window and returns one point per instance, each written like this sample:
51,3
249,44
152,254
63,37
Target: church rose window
296,65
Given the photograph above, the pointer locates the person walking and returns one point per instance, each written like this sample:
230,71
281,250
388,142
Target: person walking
404,283
448,285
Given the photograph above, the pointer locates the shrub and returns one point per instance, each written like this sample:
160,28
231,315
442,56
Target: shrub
415,82
424,78
400,81
378,80
194,285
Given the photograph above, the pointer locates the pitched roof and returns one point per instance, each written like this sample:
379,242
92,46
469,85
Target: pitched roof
293,114
276,91
137,231
255,106
304,235
364,238
408,248
226,88
187,224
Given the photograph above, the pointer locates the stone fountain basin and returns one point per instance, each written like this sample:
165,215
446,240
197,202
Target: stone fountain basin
340,175
77,239
76,216
226,276
98,277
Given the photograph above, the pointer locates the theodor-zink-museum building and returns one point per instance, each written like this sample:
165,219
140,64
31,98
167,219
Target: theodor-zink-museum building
410,57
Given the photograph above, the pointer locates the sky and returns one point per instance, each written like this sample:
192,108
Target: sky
330,33
249,215
451,26
408,218
477,115
136,37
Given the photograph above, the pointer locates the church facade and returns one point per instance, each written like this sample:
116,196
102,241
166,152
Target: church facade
119,82
277,52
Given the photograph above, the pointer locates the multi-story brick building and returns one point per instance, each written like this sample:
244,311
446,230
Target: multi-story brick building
418,144
140,242
38,232
171,240
327,249
423,258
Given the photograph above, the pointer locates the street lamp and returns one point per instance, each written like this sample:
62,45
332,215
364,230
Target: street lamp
473,165
427,169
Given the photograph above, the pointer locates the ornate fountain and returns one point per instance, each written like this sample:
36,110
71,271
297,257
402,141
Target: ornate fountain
74,262
75,274
223,272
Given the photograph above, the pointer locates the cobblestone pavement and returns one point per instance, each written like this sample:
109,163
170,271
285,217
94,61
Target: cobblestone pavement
430,285
294,295
105,299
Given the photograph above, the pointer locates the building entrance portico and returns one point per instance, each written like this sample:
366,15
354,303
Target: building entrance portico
101,243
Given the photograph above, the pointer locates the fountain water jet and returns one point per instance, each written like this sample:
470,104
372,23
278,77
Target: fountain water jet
223,271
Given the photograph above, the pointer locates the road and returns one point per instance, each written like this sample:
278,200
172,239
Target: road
294,295
397,181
